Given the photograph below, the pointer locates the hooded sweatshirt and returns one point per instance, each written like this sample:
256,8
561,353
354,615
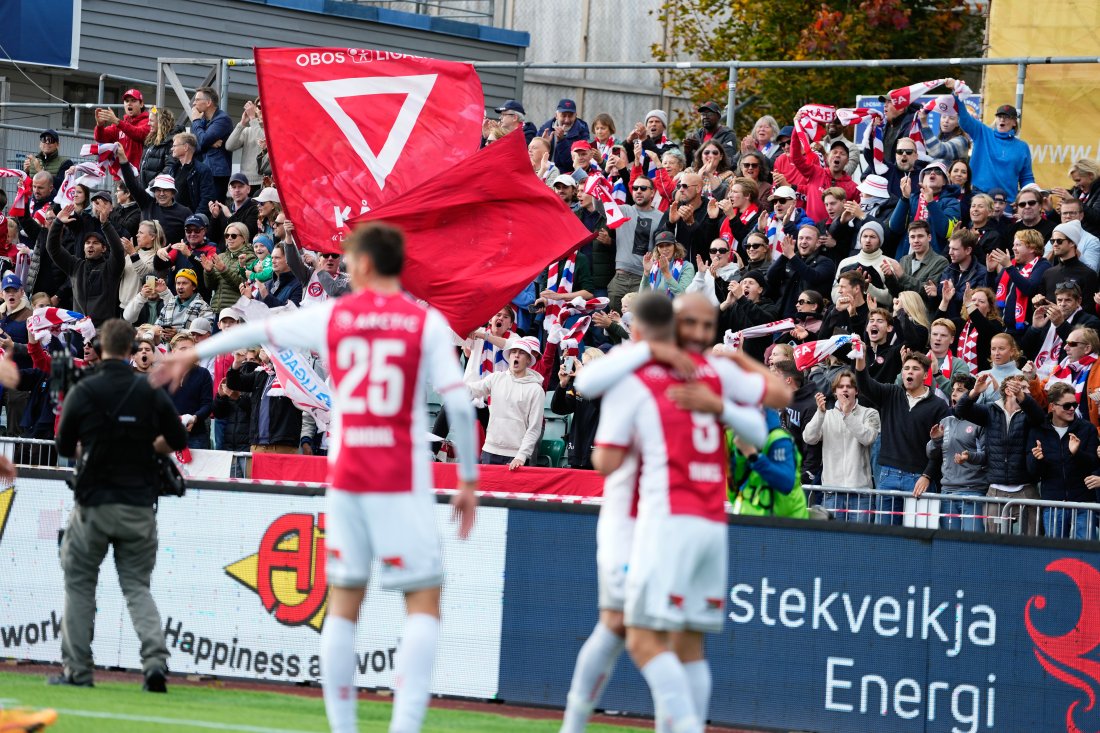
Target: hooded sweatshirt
997,159
515,412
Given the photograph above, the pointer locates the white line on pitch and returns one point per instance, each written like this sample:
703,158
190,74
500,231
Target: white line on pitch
175,722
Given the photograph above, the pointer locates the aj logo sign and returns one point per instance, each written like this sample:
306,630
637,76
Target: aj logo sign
416,88
288,572
1070,657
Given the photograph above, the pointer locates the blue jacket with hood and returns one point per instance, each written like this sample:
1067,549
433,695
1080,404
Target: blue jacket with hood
997,159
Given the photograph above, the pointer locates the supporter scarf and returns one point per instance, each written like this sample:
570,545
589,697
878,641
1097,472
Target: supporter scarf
812,119
873,139
1045,360
655,274
106,155
922,208
734,339
605,148
22,194
809,355
47,322
1073,372
618,191
968,346
903,97
1005,288
598,188
557,333
917,136
724,231
492,358
945,367
775,236
297,380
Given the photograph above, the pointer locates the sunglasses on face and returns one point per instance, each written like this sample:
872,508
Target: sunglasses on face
1068,405
1027,204
330,256
711,152
640,188
755,245
686,185
232,236
907,152
1059,240
800,301
193,230
750,166
719,251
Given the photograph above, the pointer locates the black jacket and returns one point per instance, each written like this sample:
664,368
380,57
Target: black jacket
285,420
171,218
787,278
194,185
904,430
95,282
117,462
1061,474
155,158
246,214
1006,441
126,219
1072,269
236,416
582,428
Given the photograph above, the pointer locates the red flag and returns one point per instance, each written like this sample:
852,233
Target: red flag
354,129
471,247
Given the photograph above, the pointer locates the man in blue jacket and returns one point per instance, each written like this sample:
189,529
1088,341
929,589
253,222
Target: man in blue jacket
211,127
561,132
998,159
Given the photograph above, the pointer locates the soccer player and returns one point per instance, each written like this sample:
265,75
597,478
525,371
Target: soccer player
672,464
381,347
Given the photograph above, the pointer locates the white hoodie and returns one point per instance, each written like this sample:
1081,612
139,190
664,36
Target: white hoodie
515,412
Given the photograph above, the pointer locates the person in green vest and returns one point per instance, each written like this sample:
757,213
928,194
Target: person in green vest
766,482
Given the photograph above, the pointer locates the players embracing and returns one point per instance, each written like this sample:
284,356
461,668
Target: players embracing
662,536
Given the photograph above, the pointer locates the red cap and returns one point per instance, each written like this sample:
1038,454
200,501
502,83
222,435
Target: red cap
135,94
580,145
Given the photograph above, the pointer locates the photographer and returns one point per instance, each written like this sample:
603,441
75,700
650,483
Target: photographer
116,423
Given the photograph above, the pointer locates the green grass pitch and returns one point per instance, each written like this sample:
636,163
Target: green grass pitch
118,707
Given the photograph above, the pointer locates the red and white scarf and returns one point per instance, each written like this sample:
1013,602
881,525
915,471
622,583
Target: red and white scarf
917,136
734,339
1073,372
968,346
945,367
1046,359
22,194
872,138
598,188
922,207
569,338
106,154
1005,288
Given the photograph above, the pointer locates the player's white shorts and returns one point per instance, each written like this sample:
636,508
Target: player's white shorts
399,530
677,577
614,540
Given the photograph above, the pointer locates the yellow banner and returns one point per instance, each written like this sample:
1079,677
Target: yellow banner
1061,102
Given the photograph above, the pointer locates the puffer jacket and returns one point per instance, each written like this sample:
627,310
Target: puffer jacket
1062,474
1006,445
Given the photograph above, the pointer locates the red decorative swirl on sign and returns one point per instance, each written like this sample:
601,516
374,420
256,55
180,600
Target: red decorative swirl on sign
1065,656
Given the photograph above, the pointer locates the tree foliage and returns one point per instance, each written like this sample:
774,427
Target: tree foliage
793,30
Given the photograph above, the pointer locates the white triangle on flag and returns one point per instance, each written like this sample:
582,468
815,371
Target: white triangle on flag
417,88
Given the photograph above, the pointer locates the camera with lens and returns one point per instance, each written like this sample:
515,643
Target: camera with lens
64,373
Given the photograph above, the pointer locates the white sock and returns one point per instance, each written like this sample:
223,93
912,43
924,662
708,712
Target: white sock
338,673
671,694
698,674
595,661
415,658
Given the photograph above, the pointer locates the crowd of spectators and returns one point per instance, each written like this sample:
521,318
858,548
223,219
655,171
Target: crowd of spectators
972,287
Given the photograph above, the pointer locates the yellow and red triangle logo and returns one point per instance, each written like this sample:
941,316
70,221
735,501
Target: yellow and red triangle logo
288,571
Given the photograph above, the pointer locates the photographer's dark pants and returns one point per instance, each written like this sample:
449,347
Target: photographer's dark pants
132,531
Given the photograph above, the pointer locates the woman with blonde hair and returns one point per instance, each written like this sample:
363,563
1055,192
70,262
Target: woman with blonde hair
911,320
158,144
1084,173
983,322
225,271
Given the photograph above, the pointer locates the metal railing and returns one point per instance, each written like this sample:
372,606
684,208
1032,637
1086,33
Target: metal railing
995,515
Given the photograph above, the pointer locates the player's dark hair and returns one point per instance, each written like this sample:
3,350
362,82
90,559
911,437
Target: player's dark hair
382,243
653,311
116,336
